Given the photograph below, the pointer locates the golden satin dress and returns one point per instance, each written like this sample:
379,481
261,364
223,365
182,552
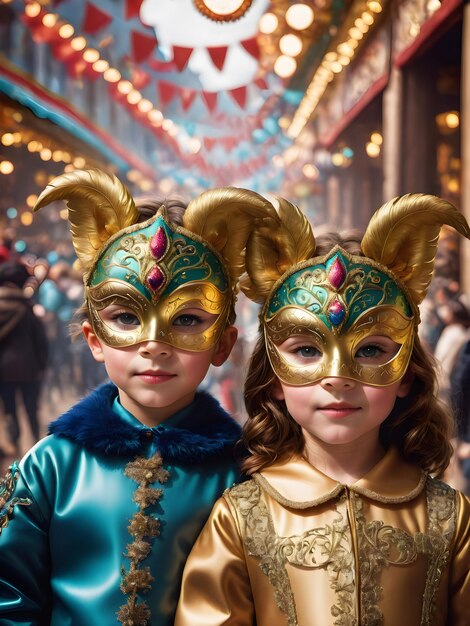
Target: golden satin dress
293,547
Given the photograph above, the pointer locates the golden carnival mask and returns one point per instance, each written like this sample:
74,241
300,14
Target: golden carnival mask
156,271
335,303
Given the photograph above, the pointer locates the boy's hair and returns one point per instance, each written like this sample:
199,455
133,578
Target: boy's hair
419,426
147,207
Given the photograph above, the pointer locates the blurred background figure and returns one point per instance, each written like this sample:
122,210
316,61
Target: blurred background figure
71,367
452,353
455,319
459,391
5,249
23,355
432,324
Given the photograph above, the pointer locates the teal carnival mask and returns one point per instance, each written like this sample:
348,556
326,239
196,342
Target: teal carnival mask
336,302
322,315
158,272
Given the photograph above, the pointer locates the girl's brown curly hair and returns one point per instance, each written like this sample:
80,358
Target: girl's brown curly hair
419,425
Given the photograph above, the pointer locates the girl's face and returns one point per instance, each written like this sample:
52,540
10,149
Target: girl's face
338,410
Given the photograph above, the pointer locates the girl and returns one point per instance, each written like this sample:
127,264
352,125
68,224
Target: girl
342,522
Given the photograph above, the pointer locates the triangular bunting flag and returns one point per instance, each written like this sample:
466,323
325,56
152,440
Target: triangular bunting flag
210,98
132,8
251,46
166,92
187,97
62,51
95,19
181,56
218,54
76,69
142,46
239,95
42,34
229,142
262,83
139,78
209,143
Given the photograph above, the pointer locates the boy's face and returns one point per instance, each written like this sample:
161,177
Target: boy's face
339,410
159,299
156,379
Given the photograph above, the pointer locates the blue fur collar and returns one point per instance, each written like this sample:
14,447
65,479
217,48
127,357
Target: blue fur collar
207,430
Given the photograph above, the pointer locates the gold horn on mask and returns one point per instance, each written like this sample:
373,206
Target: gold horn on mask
403,234
225,218
283,238
99,206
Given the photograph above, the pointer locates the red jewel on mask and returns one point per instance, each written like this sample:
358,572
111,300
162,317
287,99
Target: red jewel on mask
158,244
156,279
337,274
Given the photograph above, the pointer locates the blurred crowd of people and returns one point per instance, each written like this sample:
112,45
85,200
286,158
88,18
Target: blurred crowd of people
42,371
445,331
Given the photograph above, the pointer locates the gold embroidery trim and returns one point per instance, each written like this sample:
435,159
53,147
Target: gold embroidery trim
294,504
330,548
7,501
262,542
142,527
442,517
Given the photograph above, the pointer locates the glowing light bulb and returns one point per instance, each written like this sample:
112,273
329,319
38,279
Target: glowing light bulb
300,16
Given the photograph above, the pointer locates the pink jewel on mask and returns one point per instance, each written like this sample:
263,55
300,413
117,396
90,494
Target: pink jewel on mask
156,278
337,273
158,244
336,312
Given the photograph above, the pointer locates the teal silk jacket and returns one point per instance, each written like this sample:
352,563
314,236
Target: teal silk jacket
97,520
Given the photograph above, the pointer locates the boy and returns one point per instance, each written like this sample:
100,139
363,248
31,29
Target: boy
99,516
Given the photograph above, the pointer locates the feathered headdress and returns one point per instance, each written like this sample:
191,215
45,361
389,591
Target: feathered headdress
401,236
100,207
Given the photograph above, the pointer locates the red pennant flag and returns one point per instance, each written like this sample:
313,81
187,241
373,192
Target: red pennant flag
76,69
162,66
209,143
139,78
166,91
95,19
218,54
251,46
42,34
63,52
229,142
210,98
239,95
132,8
90,73
187,97
142,46
261,82
181,56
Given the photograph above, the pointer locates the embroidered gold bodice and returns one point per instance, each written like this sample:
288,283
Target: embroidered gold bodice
353,553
